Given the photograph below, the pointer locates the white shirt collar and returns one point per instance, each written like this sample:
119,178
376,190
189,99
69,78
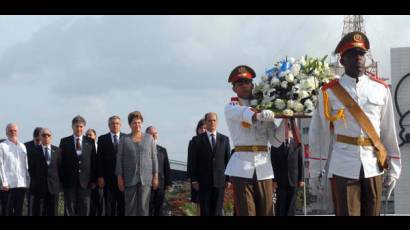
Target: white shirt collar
112,134
46,146
352,81
209,133
75,137
10,142
244,102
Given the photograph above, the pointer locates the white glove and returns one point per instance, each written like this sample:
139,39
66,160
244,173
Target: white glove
265,115
390,183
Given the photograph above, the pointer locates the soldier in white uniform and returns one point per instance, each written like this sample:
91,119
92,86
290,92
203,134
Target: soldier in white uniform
354,163
250,167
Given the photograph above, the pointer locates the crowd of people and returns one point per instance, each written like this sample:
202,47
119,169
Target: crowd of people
128,174
120,174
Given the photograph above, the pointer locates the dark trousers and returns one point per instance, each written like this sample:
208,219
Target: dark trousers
114,201
286,201
45,205
355,197
156,202
77,202
211,201
12,202
97,205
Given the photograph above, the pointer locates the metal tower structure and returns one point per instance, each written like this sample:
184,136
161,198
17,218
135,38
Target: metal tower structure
356,23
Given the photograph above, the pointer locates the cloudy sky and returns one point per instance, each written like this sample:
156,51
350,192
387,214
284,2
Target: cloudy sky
171,68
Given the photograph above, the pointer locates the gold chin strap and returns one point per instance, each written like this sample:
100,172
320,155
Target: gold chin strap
339,115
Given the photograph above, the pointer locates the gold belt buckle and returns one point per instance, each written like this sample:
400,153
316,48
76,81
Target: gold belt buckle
254,148
360,140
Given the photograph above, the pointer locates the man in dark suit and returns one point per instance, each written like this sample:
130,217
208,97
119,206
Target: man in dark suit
43,167
164,175
78,169
31,148
287,162
107,158
211,155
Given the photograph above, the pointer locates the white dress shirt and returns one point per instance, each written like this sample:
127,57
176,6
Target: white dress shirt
376,102
81,144
112,137
244,164
13,165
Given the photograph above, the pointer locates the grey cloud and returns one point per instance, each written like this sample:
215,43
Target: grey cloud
180,52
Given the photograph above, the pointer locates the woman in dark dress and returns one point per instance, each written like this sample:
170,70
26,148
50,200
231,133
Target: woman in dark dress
200,128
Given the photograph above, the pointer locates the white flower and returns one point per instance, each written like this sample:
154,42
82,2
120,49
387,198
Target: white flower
284,84
308,103
302,61
267,104
289,77
303,94
265,88
316,72
288,112
254,102
314,99
326,66
280,104
295,69
264,78
274,82
309,83
291,104
291,60
325,80
299,107
282,73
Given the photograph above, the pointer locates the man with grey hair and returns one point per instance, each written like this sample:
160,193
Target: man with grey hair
13,173
164,175
43,166
107,158
78,169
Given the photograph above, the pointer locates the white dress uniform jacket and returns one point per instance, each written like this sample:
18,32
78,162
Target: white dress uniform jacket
244,164
375,100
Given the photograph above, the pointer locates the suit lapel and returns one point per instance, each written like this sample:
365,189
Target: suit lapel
41,152
218,142
84,147
206,140
72,146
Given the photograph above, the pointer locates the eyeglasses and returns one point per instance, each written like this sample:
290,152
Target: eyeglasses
46,135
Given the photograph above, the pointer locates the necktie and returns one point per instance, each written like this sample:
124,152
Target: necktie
47,155
213,141
115,143
77,144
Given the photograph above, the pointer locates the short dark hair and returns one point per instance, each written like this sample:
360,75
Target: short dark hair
37,131
133,115
207,114
200,123
148,128
78,119
93,131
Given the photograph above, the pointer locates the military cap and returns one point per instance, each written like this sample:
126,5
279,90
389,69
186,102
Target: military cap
240,72
355,39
